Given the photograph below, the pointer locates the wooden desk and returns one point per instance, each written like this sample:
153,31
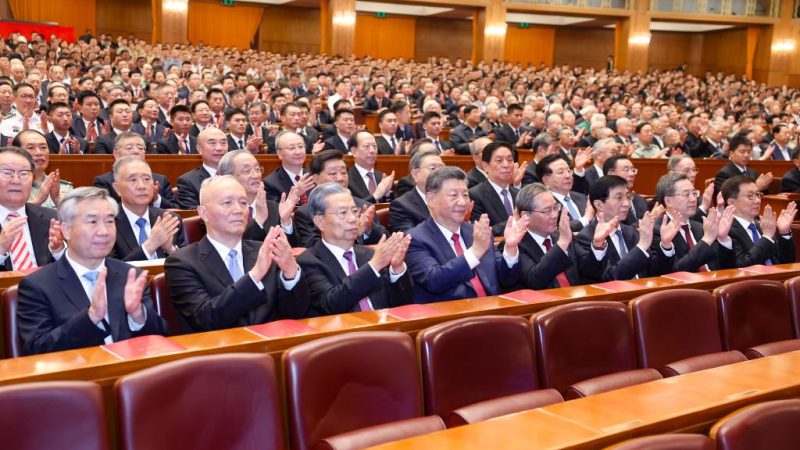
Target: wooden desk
686,403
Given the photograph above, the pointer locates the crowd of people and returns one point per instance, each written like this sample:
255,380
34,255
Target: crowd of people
570,216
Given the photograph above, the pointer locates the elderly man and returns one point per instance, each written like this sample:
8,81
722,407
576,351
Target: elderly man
86,298
291,150
477,175
23,118
47,188
129,143
622,166
601,151
344,276
366,182
411,209
556,175
212,146
451,259
495,197
224,281
143,232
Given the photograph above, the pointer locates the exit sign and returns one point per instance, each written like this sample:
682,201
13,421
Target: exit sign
228,2
524,24
380,15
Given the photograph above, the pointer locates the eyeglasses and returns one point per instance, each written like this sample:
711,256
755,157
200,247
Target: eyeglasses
686,194
752,195
8,174
552,211
250,170
345,213
294,148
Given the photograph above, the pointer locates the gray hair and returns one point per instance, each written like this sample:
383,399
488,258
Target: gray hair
227,163
527,194
674,160
126,135
282,135
68,207
666,185
208,182
416,160
601,145
124,161
319,195
437,178
476,147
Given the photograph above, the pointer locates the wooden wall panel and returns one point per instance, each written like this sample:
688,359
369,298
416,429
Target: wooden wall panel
442,37
670,50
385,38
121,17
533,45
290,29
725,51
586,47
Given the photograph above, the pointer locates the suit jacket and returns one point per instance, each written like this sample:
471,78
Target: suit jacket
716,256
39,226
488,201
777,155
639,207
139,129
462,135
475,177
78,129
308,234
440,275
612,267
55,147
580,201
403,185
168,201
384,146
277,183
407,211
105,142
781,251
791,181
730,170
334,142
171,145
334,292
206,296
127,247
189,187
539,269
53,309
591,175
372,105
696,147
506,134
234,145
405,132
255,232
359,189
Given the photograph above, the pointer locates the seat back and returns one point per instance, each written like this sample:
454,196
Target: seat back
583,340
667,442
475,359
383,217
348,382
381,434
193,229
673,325
165,308
792,286
768,425
753,312
55,414
208,402
11,339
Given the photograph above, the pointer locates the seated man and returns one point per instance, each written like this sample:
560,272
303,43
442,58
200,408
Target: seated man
291,150
131,144
179,141
328,166
601,151
47,188
608,249
622,166
86,298
344,276
120,118
547,257
791,179
698,246
450,259
432,128
364,181
740,153
223,281
464,134
495,196
410,209
767,242
143,231
344,126
477,175
556,175
59,139
212,146
684,165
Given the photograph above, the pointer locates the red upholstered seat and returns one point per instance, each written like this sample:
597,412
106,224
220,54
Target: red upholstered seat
13,343
58,414
380,434
667,442
769,425
210,402
348,382
192,229
677,332
502,406
792,286
164,306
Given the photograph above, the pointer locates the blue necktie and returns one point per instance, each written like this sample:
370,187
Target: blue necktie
755,235
142,223
573,211
233,266
623,250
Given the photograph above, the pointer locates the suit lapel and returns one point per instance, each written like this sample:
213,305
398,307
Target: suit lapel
36,222
440,240
216,266
125,232
329,261
71,285
115,294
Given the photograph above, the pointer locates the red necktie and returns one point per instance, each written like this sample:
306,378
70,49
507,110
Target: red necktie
687,234
561,278
303,197
476,282
21,259
91,132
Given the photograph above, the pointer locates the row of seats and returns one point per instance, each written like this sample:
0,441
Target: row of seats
769,425
361,389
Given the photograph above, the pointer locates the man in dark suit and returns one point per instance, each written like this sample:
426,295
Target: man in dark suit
30,234
120,118
768,241
601,151
513,131
791,179
547,257
477,175
59,139
291,150
143,232
179,141
131,144
695,144
403,113
387,141
741,151
366,182
345,125
449,259
148,125
698,246
212,146
410,209
781,135
432,126
608,249
378,100
344,276
223,281
622,166
462,135
88,126
85,298
556,175
495,197
541,146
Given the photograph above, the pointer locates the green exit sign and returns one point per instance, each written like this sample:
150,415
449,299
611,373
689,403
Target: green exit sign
380,15
524,24
228,2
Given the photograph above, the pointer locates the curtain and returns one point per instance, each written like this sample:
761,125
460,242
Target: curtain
227,26
80,14
390,37
530,45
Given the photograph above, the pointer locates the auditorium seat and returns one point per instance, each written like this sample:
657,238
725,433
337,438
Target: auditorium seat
164,306
792,286
769,425
677,332
502,406
192,229
590,343
53,414
667,442
476,359
383,216
381,434
348,382
774,187
11,339
209,402
755,318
